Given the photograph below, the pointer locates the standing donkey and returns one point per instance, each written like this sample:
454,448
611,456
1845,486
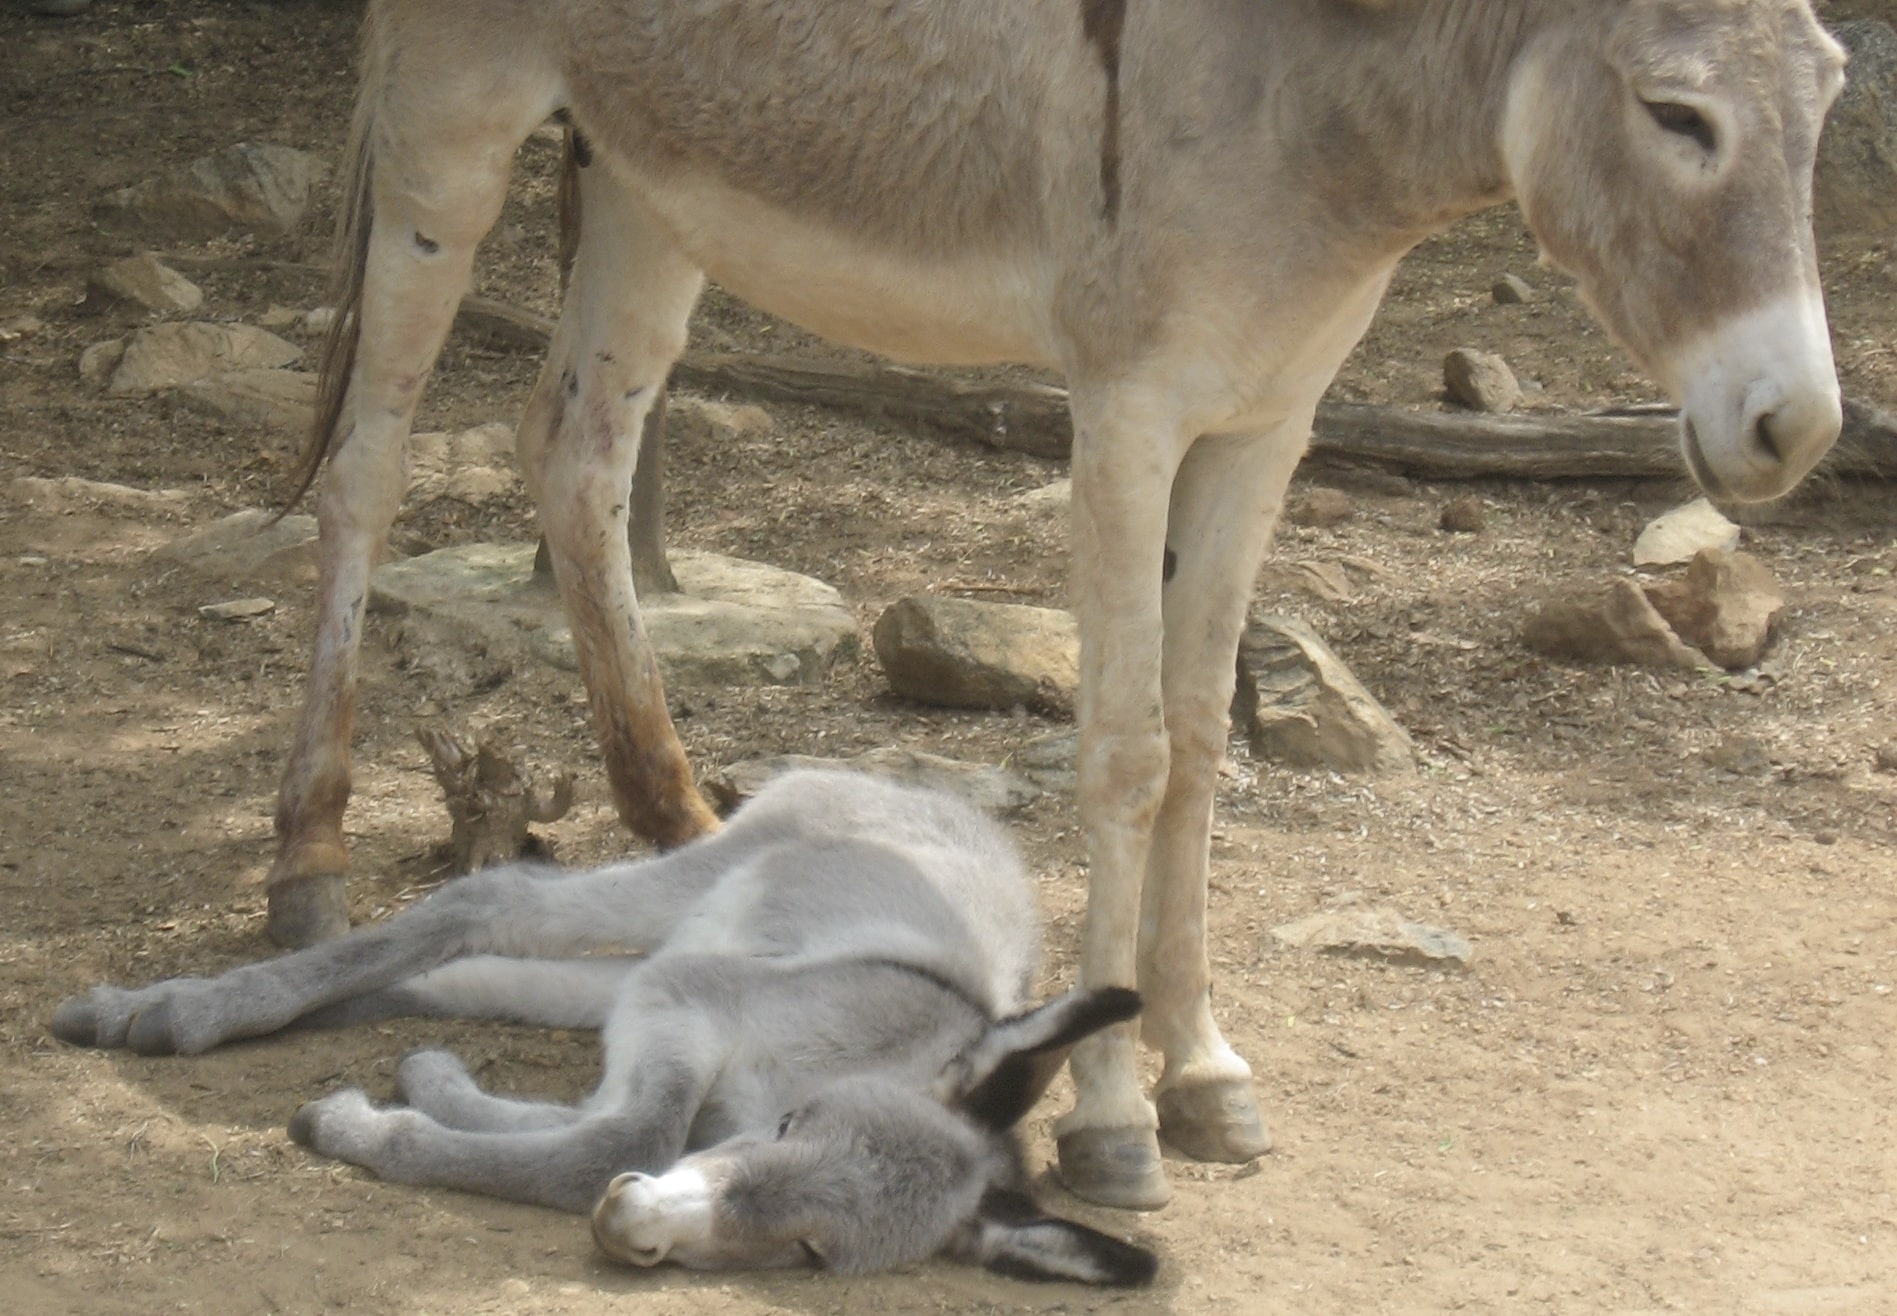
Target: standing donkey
815,1026
1190,207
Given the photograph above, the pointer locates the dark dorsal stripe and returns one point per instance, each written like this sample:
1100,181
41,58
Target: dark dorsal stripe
1104,22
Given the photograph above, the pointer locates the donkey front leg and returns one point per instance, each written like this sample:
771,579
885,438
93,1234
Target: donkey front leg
1123,465
428,191
621,327
1225,502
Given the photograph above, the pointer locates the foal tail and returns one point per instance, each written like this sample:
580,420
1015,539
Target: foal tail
349,266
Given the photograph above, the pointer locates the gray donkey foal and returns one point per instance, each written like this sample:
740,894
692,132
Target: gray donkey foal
817,1042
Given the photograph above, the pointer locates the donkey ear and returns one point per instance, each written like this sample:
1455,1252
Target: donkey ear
1014,1237
998,1079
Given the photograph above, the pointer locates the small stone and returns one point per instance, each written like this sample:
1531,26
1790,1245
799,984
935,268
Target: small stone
964,653
1376,933
317,320
257,188
1887,757
1320,508
1614,625
238,609
1727,606
1481,381
168,356
1464,516
1675,536
148,282
1511,290
279,317
1299,704
21,326
97,362
1051,499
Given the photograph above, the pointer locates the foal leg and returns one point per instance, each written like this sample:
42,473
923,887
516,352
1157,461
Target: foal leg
621,327
437,149
1123,466
1225,502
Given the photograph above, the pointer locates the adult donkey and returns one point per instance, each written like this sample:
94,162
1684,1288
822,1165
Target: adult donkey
1191,208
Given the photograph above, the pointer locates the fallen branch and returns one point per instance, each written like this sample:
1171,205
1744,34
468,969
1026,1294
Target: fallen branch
1032,418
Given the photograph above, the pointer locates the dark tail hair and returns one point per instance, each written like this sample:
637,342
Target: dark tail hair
349,266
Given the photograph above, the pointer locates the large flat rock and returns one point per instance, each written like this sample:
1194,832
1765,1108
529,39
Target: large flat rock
734,623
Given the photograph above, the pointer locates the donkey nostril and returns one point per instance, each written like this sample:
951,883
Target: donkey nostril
1767,441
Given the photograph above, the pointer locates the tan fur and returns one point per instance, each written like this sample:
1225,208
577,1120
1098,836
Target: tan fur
1191,207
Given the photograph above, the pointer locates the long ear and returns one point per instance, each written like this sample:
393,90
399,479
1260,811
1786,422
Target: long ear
998,1079
1014,1237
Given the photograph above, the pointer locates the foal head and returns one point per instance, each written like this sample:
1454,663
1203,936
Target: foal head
872,1173
1662,151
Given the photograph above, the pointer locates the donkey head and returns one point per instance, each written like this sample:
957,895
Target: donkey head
1662,151
872,1173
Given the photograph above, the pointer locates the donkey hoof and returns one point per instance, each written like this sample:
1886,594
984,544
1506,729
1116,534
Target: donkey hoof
1213,1121
1114,1167
306,910
76,1021
151,1032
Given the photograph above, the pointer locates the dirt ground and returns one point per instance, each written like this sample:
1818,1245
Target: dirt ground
1666,1082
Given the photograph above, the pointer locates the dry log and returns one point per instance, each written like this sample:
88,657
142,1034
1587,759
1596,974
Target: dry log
1032,417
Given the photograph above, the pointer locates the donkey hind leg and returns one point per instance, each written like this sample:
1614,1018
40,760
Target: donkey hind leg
638,1120
437,181
511,911
1224,504
1109,1152
622,325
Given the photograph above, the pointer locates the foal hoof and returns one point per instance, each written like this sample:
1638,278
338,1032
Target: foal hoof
306,910
1114,1167
1213,1121
76,1021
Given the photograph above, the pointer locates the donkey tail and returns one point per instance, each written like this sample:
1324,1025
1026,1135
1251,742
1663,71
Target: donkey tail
349,266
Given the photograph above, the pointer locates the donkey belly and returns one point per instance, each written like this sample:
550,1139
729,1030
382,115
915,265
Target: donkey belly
970,308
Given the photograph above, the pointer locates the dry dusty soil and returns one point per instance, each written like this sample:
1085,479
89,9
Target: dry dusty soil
1666,1081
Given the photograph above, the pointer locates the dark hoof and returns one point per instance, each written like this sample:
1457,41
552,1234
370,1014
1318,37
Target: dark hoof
1213,1121
1114,1167
308,910
76,1022
303,1125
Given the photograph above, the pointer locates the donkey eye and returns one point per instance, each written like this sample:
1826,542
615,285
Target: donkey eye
1682,121
783,1125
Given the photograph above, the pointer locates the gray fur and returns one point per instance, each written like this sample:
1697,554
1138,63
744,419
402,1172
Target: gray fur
826,1001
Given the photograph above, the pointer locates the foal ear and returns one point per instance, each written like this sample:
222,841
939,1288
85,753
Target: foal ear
1014,1237
998,1079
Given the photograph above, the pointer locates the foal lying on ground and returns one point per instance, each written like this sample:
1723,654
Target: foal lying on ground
815,1031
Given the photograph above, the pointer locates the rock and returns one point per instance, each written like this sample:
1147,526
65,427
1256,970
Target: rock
249,546
1675,536
960,653
279,317
1051,499
168,356
255,188
1300,705
1511,290
1463,516
691,419
1727,606
317,320
1320,580
1320,508
97,362
490,803
20,326
735,622
474,466
1377,933
283,400
1480,381
1614,625
238,609
1855,188
148,282
58,493
1887,757
992,789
